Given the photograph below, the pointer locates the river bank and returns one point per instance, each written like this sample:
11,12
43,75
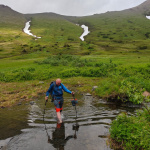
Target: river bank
15,92
131,132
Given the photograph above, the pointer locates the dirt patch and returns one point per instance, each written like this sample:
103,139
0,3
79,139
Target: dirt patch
146,94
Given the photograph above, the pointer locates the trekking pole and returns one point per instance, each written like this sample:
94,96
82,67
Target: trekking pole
75,105
45,107
76,125
76,111
44,120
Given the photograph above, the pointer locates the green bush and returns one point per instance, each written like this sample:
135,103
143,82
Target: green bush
132,132
142,47
2,77
69,73
133,92
24,76
108,86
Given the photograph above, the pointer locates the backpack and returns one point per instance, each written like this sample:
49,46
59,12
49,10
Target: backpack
51,93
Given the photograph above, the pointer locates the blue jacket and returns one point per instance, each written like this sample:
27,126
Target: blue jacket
58,90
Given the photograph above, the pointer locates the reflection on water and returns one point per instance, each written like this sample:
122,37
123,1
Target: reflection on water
29,128
58,139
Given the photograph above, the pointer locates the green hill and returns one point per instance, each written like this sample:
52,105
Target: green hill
11,18
114,32
58,34
127,30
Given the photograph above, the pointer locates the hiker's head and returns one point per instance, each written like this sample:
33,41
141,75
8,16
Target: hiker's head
58,82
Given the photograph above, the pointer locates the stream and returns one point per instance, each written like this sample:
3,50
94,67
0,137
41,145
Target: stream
26,127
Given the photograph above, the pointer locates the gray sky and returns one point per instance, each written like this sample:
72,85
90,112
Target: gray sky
70,7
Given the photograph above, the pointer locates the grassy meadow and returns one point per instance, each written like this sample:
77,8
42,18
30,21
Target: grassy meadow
114,53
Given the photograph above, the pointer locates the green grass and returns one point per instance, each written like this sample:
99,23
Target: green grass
116,51
116,72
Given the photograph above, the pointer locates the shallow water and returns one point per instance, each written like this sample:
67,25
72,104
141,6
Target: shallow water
26,127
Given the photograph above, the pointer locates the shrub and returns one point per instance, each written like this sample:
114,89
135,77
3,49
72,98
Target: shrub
131,132
132,91
2,77
23,76
70,38
69,73
142,47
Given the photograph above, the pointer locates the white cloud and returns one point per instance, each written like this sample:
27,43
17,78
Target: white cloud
70,7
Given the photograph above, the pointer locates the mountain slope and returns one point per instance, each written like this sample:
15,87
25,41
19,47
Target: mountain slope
125,31
119,30
9,17
144,8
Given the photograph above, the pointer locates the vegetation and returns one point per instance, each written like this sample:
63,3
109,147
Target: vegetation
117,79
131,132
116,51
115,56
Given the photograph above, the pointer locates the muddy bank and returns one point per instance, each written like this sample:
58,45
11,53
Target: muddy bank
16,92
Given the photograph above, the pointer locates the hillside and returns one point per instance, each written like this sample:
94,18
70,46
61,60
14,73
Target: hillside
10,17
58,34
127,30
144,8
114,32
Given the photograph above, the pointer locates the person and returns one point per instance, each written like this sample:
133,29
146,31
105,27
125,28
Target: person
57,89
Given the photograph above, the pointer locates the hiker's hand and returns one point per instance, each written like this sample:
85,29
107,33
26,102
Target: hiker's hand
46,98
72,93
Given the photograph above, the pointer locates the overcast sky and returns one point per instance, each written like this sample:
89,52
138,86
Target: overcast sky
70,7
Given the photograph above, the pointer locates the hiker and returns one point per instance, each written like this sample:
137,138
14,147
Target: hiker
56,89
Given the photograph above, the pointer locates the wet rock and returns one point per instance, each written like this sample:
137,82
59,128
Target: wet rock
147,104
88,94
19,103
94,87
103,136
31,121
131,105
32,103
22,99
41,82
